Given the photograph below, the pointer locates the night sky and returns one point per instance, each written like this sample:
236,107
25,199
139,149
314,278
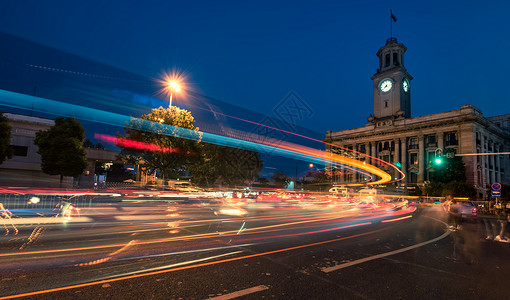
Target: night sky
254,55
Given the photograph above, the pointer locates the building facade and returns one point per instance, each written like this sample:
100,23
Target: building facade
24,168
411,144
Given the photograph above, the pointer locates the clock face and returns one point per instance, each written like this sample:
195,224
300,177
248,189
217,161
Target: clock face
386,85
405,85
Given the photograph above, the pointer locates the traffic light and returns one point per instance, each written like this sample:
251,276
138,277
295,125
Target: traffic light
438,160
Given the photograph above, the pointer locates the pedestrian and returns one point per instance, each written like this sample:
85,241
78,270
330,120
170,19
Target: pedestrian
489,230
453,215
502,219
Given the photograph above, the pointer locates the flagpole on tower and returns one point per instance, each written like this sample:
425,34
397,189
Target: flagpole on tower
392,19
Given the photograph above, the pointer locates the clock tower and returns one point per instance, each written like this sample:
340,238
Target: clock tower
392,83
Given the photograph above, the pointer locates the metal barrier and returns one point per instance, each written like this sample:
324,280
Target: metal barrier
37,201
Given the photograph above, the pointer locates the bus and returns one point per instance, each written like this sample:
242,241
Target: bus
342,192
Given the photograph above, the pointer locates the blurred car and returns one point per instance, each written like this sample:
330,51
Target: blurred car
400,203
466,209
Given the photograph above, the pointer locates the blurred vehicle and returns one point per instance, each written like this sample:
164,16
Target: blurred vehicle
400,203
342,192
367,195
466,209
183,186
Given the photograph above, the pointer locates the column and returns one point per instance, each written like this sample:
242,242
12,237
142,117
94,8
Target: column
396,155
403,142
485,162
373,153
492,163
440,140
498,163
421,159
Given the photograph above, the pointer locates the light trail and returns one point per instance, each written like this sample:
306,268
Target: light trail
94,115
228,233
305,137
187,267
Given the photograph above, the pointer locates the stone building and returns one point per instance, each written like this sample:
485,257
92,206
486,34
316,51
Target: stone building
392,135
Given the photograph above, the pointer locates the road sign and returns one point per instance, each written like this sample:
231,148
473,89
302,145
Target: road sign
496,186
496,194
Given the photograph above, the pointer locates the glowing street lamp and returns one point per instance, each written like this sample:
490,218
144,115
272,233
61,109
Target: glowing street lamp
173,86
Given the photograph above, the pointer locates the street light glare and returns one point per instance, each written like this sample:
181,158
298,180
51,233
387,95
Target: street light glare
174,85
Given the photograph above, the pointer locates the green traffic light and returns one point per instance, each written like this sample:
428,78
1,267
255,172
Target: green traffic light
438,161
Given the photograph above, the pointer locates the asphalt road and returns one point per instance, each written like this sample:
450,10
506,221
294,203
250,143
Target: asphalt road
175,251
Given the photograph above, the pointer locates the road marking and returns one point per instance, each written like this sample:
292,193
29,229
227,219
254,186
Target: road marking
170,266
63,288
363,260
240,293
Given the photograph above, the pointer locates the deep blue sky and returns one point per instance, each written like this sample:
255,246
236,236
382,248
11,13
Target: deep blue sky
254,54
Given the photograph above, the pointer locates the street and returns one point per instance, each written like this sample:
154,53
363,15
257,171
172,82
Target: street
254,250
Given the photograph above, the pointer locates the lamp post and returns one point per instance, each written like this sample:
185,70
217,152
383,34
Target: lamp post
173,86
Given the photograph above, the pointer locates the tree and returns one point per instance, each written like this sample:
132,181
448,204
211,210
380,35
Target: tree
5,138
99,146
153,146
88,144
117,173
61,148
451,169
233,166
281,179
321,177
449,178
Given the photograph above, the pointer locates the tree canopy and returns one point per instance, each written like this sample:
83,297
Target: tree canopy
281,180
232,166
452,168
449,178
5,138
162,149
61,148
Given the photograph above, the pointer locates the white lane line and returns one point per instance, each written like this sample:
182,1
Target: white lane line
240,293
168,266
363,260
184,252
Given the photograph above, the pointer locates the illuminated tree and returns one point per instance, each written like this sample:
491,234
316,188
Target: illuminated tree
5,138
61,148
166,150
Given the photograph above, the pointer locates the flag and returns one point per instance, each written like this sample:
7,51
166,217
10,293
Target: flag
393,17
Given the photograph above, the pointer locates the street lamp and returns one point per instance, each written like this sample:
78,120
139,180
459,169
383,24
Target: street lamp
173,86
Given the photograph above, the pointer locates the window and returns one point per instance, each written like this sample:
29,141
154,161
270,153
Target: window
19,150
413,143
413,158
451,139
386,103
395,59
387,60
430,141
